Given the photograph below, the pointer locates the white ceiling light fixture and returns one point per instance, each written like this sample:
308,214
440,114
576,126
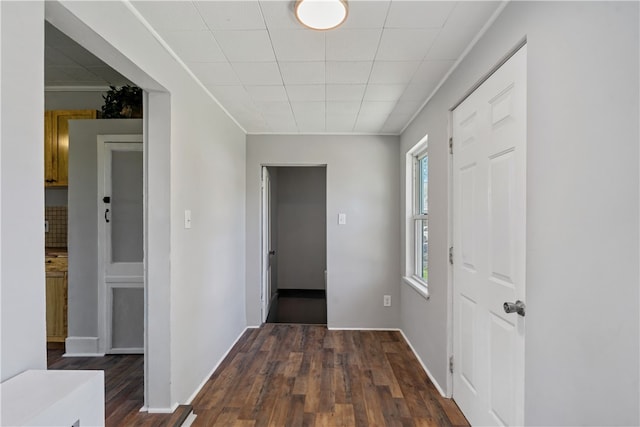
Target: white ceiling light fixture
321,14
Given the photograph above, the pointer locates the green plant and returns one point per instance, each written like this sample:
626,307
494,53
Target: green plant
125,102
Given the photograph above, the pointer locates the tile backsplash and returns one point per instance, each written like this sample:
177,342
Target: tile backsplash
57,235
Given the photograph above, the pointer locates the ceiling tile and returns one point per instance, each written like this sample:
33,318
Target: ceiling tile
214,73
302,72
171,15
377,109
258,73
392,72
348,72
305,92
407,108
465,22
353,92
430,71
405,45
267,93
383,92
228,95
194,46
340,107
298,45
54,57
279,15
109,75
352,45
418,91
418,14
231,15
366,14
247,46
340,122
309,115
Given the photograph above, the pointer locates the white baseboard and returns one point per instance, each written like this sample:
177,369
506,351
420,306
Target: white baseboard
82,347
433,380
163,410
333,328
206,378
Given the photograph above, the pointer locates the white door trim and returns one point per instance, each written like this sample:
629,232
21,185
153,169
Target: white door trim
107,283
265,238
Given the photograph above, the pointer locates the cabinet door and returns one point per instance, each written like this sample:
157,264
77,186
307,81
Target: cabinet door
60,144
56,306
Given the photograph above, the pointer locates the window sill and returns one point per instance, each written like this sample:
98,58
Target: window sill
418,285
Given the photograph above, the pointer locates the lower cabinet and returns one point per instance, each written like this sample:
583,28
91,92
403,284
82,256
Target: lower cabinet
56,306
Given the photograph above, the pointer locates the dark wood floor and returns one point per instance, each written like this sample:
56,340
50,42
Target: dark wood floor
299,306
124,387
306,375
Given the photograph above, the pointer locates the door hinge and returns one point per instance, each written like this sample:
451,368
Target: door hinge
451,364
451,145
451,255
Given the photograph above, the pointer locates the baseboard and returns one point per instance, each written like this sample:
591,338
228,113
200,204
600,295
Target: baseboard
208,376
170,410
82,347
334,328
431,377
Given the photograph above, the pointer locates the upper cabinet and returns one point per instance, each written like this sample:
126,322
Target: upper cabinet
56,144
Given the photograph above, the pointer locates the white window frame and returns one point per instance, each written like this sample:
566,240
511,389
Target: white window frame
412,215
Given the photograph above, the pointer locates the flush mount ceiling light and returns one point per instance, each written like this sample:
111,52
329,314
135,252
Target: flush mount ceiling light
321,14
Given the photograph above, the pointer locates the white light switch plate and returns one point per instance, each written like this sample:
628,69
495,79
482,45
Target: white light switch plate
342,218
187,218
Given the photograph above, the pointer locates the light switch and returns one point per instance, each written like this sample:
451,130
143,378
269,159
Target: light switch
187,218
342,218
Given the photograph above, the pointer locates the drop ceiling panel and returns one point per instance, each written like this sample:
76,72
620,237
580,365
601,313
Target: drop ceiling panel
354,92
195,46
258,73
245,45
306,92
347,72
352,45
405,44
171,15
298,45
231,15
294,73
214,73
273,75
393,72
419,14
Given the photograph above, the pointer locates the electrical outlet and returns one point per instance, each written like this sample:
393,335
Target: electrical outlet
386,301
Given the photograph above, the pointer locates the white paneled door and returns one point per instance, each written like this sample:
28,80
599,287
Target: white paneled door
121,243
489,232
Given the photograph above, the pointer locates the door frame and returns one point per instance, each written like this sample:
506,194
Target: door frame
105,291
265,236
262,222
450,276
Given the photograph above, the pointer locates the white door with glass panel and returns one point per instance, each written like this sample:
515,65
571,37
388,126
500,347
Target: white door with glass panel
121,243
489,237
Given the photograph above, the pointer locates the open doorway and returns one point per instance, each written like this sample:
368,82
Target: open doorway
294,237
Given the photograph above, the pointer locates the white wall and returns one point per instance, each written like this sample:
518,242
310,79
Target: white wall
196,277
83,220
302,227
362,256
582,216
22,290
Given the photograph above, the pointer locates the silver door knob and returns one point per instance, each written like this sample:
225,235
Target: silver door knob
514,307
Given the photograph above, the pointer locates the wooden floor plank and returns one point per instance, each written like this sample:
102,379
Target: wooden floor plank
291,375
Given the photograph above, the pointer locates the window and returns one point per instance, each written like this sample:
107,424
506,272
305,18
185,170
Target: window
417,214
421,216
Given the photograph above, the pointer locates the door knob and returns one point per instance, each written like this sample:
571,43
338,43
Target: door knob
514,307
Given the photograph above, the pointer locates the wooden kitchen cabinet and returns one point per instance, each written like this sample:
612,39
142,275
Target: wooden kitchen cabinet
56,283
56,144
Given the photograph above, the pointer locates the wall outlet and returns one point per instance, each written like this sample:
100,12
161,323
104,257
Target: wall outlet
386,301
342,218
187,219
